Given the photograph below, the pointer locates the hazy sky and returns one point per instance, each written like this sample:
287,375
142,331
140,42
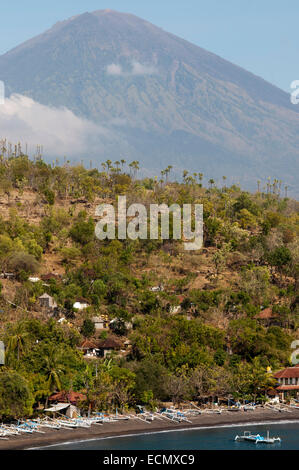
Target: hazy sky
259,35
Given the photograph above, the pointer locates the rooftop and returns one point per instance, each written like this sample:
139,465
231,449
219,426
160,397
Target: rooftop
67,397
88,344
266,314
109,343
288,373
283,388
45,296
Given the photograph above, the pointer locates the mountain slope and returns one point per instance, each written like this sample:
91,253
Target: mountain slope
165,100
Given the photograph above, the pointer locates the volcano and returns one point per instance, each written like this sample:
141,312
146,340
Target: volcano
165,100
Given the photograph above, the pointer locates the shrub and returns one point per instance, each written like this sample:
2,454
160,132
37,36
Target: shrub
15,396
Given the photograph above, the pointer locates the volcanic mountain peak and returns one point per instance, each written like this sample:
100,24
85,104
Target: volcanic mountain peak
165,100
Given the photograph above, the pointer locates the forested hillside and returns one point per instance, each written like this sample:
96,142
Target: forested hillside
188,324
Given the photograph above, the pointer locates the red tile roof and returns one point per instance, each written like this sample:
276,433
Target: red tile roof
68,397
266,314
88,344
282,388
288,373
109,343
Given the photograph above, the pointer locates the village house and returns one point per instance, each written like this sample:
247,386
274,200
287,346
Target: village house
67,397
90,349
47,302
288,382
81,304
100,323
66,403
107,346
268,318
159,288
9,276
64,409
177,308
33,279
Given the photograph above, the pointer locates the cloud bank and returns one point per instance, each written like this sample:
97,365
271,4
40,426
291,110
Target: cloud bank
59,130
136,69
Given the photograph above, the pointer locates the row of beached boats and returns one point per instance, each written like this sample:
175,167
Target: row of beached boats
41,425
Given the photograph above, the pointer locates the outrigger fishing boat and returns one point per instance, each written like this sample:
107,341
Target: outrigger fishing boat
176,416
257,438
144,415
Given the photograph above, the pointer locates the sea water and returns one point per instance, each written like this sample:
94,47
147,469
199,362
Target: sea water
216,438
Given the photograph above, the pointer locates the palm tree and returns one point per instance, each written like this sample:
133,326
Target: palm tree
109,165
258,185
211,182
185,173
286,191
135,166
200,178
53,369
17,340
167,171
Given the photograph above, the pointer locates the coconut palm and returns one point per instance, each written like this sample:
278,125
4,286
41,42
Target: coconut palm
53,369
17,339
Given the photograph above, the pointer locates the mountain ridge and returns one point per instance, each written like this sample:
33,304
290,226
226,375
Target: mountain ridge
148,85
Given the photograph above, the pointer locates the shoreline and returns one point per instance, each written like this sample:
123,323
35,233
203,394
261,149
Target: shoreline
136,427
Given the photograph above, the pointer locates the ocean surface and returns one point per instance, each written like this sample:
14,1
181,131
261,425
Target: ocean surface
218,438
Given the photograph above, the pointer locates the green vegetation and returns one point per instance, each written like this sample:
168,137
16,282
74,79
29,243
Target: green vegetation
200,336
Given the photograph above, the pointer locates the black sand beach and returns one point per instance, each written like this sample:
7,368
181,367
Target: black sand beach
121,428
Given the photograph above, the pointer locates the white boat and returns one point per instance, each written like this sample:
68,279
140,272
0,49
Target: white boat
24,429
82,423
176,416
47,423
257,438
32,425
6,430
249,408
191,412
67,424
213,411
51,425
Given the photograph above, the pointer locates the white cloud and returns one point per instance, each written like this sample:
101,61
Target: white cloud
59,130
114,69
139,69
136,69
